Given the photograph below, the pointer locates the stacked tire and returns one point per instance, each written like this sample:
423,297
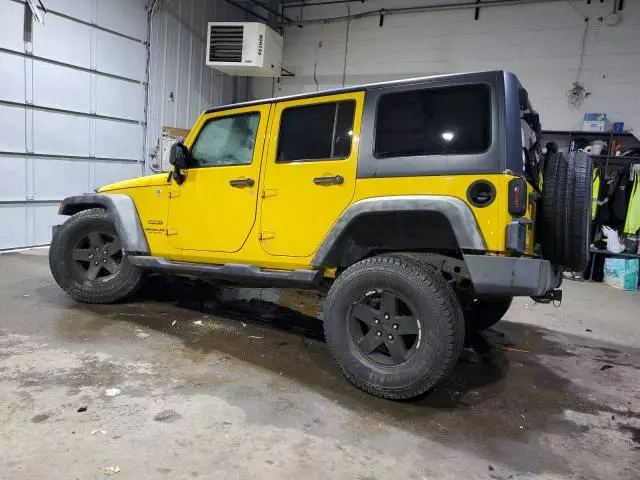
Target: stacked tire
566,210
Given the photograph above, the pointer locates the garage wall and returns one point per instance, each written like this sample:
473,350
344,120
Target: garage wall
72,98
541,43
180,85
71,107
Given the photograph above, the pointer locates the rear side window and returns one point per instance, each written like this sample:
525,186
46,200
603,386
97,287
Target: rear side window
434,121
316,132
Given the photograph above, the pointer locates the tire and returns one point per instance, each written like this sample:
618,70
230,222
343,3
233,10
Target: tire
486,312
566,210
579,211
87,260
434,314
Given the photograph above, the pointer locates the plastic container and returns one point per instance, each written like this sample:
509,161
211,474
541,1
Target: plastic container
621,273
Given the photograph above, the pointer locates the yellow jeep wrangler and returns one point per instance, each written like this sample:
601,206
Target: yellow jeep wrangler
422,206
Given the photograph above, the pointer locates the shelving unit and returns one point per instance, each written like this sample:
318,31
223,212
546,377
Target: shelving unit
608,159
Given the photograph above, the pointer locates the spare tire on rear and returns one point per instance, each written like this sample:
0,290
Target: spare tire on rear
566,210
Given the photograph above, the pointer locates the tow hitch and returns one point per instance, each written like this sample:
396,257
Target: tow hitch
551,296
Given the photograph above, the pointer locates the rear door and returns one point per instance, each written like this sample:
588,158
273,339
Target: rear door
311,171
215,207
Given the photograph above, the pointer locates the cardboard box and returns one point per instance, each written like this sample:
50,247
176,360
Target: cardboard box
596,126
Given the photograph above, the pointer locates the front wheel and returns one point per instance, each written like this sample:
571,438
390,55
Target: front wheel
88,262
393,326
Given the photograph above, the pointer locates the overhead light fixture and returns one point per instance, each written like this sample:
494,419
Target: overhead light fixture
447,136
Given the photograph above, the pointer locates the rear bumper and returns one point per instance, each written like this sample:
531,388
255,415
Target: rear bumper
512,276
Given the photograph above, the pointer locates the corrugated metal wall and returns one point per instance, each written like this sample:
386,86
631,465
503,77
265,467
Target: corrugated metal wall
72,98
180,85
71,107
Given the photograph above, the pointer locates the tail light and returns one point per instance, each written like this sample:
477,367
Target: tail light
518,197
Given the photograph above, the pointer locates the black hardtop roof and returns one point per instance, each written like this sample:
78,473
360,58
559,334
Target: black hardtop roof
357,88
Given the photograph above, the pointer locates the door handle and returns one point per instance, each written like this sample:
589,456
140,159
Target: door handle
337,180
242,182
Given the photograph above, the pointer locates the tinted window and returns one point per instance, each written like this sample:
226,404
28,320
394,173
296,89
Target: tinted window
452,120
316,132
226,141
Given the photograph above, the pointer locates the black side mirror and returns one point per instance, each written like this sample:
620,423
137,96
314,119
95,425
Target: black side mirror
179,156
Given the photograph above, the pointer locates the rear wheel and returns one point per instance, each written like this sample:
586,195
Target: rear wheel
88,262
485,312
393,326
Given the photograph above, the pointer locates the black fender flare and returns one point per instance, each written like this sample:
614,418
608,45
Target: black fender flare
124,212
457,212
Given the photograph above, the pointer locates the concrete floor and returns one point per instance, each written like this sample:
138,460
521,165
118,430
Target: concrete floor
252,393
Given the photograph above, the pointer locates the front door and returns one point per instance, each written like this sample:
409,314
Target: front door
311,171
215,207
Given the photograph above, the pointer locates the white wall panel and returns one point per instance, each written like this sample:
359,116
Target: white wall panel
117,139
119,98
120,56
541,43
12,31
80,48
43,217
123,16
109,172
15,169
80,9
12,129
13,233
12,77
60,134
62,40
75,173
61,87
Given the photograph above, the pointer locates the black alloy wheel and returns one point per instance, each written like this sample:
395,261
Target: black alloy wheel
384,328
97,256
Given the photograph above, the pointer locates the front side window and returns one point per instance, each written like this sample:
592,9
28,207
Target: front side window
316,132
226,141
434,121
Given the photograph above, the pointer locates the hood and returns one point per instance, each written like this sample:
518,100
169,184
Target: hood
151,180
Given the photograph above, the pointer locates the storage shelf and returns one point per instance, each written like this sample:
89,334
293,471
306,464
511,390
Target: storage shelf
607,252
574,133
616,159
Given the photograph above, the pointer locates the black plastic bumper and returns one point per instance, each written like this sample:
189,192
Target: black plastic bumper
512,276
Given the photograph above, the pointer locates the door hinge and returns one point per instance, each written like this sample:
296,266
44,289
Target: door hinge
174,193
269,192
267,235
172,231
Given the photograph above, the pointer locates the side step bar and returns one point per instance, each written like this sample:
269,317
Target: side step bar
232,272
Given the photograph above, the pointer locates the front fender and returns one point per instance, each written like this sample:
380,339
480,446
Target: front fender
123,210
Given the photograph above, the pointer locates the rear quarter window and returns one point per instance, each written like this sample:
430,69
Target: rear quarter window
434,121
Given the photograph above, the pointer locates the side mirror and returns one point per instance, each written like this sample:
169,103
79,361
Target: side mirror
179,156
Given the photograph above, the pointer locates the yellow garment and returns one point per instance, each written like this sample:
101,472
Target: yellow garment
596,193
632,224
540,180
